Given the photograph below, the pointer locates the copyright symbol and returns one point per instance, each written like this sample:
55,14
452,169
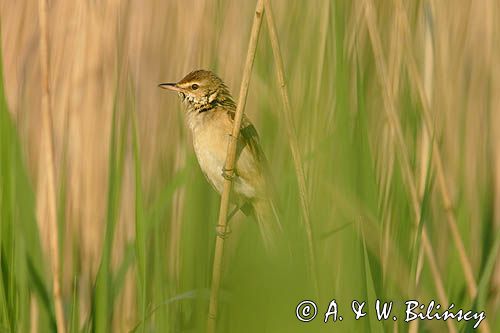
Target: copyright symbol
306,311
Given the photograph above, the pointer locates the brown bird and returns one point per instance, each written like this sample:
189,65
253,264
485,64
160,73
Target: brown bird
210,116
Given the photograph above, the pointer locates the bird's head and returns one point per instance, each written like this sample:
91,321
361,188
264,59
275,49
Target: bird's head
202,90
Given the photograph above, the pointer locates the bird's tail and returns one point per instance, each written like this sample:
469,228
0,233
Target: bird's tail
269,222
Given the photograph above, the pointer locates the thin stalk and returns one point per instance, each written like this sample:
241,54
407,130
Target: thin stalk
393,119
229,167
441,179
292,140
49,212
425,135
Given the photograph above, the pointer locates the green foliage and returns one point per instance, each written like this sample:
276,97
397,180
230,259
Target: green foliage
23,276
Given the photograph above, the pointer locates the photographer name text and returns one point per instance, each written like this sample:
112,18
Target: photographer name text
307,310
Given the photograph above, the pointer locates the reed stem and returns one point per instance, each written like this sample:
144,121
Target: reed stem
389,107
49,214
229,167
438,165
292,140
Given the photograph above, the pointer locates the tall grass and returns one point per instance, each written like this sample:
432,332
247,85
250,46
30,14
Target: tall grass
396,109
24,277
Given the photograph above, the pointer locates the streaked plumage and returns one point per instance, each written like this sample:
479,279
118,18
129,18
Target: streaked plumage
210,116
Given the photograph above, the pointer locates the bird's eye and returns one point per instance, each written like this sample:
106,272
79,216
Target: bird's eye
194,86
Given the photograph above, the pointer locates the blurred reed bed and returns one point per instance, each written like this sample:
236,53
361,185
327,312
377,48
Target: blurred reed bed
137,219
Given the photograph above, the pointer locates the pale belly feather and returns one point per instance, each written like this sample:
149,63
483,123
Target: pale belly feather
210,146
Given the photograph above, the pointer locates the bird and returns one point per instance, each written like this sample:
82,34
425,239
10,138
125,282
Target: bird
210,112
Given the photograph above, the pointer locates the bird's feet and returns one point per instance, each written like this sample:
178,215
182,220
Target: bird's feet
228,174
223,231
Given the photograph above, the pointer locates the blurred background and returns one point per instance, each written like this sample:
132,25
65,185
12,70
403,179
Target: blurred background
396,106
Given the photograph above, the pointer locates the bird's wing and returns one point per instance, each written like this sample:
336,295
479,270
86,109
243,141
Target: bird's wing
249,139
252,165
251,161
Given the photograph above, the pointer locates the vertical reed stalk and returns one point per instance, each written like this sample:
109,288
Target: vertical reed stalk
47,154
425,135
438,165
229,167
392,117
292,139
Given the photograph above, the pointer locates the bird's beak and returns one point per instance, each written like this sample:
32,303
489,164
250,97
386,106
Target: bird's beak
170,86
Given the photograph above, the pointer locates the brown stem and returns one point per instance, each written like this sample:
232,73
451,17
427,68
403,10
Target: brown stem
436,155
389,107
229,167
438,165
49,211
292,140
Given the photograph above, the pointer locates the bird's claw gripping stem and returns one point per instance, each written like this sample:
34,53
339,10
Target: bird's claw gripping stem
223,231
228,176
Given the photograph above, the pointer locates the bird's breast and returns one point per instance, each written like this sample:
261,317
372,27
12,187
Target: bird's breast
210,142
211,158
